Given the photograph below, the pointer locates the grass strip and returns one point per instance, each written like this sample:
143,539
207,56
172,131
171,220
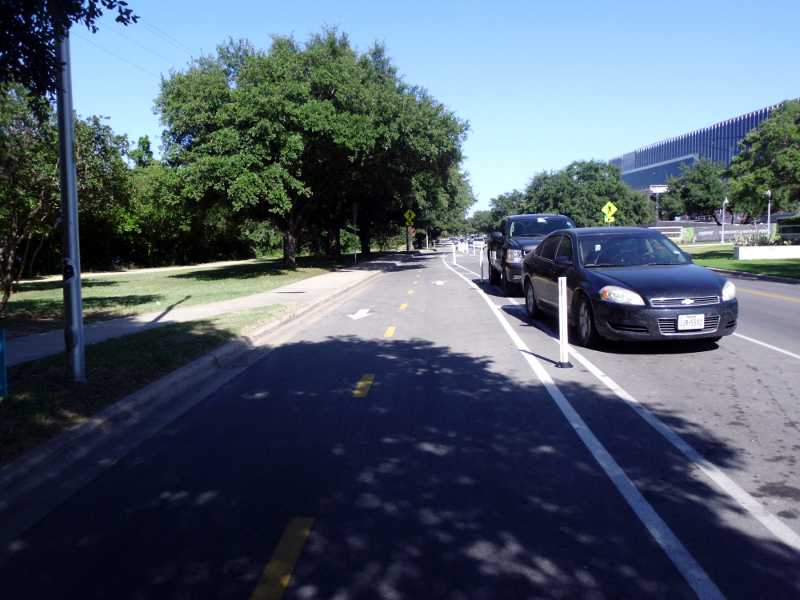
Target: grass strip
721,257
43,403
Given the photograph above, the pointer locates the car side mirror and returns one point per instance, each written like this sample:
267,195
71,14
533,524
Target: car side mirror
563,261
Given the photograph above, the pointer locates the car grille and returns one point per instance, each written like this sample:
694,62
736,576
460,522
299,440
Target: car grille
670,326
682,302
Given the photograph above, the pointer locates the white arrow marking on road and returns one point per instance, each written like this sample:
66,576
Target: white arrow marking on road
439,282
360,314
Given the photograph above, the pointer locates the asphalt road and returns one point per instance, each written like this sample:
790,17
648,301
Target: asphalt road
431,449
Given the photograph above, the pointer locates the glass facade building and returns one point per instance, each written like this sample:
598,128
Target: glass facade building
653,164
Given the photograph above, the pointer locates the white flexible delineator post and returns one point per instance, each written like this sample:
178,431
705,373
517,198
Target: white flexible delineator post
563,325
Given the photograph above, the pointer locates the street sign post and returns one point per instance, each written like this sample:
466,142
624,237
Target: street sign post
608,212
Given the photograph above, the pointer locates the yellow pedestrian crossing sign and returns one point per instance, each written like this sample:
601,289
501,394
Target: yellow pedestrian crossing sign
608,211
409,215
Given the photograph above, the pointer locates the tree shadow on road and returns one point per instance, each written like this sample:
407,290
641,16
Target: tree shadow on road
449,479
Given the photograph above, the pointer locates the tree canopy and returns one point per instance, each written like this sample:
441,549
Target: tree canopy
303,136
769,159
699,190
580,191
29,184
31,29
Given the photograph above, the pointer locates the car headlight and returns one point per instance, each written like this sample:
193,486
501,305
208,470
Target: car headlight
514,256
728,291
620,295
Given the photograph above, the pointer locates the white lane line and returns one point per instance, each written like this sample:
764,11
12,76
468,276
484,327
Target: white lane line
468,270
757,510
766,345
688,567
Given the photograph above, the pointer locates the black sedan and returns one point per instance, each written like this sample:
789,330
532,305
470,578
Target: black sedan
627,283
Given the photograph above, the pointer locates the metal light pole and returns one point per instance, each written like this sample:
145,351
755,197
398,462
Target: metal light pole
724,202
73,308
658,209
769,213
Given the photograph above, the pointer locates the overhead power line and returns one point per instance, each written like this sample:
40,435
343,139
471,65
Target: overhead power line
117,31
165,36
115,55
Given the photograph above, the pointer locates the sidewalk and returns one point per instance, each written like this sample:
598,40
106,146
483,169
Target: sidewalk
295,297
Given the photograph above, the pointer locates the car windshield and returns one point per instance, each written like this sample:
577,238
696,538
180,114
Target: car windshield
538,226
622,251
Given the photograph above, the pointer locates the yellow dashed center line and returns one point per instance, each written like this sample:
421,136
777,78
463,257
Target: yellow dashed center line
389,331
277,575
403,306
363,385
768,295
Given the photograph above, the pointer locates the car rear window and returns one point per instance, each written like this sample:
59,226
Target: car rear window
538,226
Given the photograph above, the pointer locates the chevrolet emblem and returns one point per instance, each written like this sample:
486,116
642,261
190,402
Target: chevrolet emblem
687,301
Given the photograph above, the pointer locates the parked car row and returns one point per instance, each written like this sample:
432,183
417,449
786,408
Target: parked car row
623,283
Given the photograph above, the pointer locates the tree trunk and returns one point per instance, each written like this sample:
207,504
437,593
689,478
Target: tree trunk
7,276
365,237
316,244
289,249
35,256
24,261
334,244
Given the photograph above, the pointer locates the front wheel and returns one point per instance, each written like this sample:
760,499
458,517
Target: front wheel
585,330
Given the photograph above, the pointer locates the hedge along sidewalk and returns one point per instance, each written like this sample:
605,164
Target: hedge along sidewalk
295,295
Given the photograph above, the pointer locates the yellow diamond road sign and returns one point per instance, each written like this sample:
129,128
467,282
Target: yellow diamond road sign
409,215
608,210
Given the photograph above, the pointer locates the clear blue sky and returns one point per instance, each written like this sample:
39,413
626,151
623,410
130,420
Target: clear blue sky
541,83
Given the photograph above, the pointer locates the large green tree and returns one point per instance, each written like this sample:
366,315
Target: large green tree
699,190
510,203
306,136
582,189
28,182
769,159
29,186
481,221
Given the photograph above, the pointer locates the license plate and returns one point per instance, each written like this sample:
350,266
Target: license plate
689,322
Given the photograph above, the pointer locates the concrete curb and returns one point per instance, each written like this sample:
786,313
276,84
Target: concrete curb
756,276
119,428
